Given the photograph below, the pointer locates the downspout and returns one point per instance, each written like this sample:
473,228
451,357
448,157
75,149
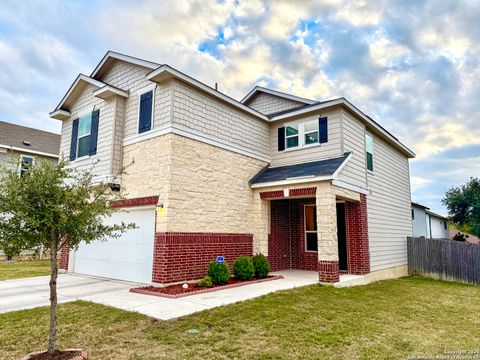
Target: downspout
290,232
430,223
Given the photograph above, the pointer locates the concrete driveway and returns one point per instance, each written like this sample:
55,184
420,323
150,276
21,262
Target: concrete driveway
33,292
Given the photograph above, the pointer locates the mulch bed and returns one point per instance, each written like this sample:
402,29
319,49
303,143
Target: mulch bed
58,355
177,291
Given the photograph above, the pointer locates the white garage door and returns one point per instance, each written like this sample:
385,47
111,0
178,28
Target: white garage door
128,257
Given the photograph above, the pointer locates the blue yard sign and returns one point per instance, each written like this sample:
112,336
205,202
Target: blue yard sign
220,259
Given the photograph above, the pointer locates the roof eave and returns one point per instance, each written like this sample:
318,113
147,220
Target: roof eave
292,181
61,115
108,91
80,78
165,72
29,151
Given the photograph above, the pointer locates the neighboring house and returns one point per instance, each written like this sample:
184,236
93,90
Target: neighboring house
20,143
428,224
313,185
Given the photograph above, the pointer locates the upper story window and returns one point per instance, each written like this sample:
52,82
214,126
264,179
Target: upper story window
302,134
84,131
25,164
310,132
145,113
369,151
292,135
84,135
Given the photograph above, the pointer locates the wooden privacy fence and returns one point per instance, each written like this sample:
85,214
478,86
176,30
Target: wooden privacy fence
444,259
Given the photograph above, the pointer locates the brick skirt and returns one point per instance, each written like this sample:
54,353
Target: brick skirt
185,256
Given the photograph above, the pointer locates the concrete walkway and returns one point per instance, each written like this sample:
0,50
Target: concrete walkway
33,292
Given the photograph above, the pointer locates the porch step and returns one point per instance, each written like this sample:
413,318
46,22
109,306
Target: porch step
347,280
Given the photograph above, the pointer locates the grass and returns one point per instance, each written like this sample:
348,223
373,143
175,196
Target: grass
22,269
385,320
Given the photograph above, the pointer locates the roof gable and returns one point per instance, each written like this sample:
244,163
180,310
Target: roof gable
259,89
80,83
111,56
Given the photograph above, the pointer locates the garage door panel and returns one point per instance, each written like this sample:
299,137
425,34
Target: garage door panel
128,257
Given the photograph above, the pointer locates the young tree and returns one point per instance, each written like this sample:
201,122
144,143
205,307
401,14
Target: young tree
53,205
463,204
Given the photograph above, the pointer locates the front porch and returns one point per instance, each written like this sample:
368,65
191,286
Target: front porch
321,228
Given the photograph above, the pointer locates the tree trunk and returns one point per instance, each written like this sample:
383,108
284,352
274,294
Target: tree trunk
52,340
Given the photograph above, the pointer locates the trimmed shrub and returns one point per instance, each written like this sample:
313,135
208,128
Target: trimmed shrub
243,268
206,282
261,265
218,272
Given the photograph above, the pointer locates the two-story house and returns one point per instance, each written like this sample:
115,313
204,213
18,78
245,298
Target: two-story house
21,145
316,186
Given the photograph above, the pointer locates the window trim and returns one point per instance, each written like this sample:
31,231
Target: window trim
79,137
22,156
301,135
139,93
305,231
368,152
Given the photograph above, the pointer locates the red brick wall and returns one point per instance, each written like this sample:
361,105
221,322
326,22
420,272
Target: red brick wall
301,259
64,252
185,256
141,201
278,239
303,191
286,243
357,236
328,271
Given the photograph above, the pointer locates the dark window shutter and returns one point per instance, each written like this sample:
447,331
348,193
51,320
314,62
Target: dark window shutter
73,142
94,132
281,138
323,130
145,121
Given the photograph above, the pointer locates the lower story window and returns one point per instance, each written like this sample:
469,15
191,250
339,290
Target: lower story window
25,165
311,238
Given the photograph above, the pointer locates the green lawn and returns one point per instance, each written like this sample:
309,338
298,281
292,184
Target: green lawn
386,320
23,269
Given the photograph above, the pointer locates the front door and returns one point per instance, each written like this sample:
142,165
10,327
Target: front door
342,236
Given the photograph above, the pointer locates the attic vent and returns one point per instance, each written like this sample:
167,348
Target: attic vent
25,142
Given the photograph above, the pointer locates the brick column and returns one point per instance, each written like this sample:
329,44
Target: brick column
357,236
328,265
64,253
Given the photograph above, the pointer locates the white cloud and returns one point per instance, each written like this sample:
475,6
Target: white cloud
361,13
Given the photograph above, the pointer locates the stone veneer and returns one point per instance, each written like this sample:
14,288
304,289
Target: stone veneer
208,189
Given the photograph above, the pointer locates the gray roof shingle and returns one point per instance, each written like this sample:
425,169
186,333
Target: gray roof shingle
316,169
39,140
